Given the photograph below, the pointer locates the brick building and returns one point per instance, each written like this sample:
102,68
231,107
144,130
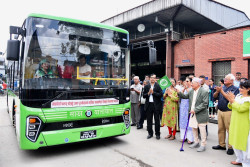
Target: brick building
212,54
190,36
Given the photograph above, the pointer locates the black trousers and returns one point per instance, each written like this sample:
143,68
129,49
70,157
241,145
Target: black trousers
150,112
143,115
161,110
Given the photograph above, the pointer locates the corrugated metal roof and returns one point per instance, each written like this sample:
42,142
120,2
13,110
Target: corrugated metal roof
208,11
223,15
141,11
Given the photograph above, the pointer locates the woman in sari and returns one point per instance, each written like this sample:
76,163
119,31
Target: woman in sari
170,109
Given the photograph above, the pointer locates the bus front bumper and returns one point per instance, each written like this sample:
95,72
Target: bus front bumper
57,137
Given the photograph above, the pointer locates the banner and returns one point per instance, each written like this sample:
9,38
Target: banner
81,103
246,43
164,82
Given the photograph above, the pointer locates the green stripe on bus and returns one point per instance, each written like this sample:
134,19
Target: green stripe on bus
89,23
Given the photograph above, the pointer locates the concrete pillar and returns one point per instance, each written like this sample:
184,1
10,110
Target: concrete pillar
168,56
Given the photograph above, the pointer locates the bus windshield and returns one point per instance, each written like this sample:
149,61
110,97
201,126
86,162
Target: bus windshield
62,55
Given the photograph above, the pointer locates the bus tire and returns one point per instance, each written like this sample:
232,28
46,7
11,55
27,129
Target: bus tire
14,116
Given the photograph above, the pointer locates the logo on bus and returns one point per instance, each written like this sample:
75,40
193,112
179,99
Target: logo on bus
88,113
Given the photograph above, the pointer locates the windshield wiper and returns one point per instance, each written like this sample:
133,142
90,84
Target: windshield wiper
56,97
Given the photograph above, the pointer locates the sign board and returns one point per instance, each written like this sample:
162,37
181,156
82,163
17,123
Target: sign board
246,43
186,61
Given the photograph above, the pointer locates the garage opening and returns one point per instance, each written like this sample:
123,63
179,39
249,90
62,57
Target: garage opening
140,65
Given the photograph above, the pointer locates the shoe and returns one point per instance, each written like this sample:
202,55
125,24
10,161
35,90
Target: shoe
190,142
201,149
194,145
236,163
149,136
230,151
158,137
132,124
139,127
171,138
182,140
218,148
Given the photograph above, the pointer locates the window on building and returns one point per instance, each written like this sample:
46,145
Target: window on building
220,70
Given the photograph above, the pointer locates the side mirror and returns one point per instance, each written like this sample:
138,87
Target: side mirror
13,48
152,55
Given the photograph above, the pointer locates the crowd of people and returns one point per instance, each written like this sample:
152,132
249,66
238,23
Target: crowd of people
188,104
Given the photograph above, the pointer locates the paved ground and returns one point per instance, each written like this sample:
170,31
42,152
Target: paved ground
132,150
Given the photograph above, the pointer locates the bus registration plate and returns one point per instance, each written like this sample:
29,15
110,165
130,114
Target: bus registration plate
88,134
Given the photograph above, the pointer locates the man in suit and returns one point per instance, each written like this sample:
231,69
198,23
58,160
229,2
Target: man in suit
153,93
198,101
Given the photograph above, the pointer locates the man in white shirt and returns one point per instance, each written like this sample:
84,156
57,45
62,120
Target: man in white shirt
84,69
237,79
203,84
153,105
180,85
135,91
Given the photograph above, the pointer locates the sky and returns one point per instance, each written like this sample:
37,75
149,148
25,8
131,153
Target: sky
14,12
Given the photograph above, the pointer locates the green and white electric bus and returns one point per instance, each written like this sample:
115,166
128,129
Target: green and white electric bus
55,98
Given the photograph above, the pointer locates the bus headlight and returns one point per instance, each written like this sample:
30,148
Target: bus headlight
126,118
33,125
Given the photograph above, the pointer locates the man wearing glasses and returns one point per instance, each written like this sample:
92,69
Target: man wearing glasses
224,113
153,93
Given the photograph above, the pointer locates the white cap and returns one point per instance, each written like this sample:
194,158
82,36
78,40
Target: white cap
198,80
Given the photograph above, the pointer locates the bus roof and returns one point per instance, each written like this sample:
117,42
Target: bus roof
89,23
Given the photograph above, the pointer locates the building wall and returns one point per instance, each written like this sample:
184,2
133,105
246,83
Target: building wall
216,47
184,50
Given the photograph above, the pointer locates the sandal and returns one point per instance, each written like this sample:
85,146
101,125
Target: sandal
168,136
190,142
172,138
